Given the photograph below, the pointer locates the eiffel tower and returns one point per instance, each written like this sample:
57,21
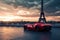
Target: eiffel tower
42,15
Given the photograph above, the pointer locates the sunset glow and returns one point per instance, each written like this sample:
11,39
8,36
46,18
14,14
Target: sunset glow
9,13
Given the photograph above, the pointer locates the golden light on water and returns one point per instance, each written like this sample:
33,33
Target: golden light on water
9,33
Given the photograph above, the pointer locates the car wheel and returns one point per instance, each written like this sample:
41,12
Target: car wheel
37,28
25,27
47,28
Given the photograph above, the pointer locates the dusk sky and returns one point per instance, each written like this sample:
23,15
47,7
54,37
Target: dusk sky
28,10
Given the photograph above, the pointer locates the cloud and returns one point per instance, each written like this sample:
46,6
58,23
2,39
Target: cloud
53,6
50,6
14,7
53,18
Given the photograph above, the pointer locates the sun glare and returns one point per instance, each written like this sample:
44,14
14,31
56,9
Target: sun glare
8,18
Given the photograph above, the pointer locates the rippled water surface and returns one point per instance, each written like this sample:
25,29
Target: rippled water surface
18,33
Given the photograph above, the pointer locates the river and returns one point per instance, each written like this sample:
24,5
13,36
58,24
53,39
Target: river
18,33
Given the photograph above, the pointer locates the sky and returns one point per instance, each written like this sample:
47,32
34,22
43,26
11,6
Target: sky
28,10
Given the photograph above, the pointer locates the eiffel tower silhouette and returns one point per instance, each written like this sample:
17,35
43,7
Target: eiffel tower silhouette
42,15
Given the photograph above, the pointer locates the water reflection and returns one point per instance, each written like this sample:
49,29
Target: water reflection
9,33
37,36
15,33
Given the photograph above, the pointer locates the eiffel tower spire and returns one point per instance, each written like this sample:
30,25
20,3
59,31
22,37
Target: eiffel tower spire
42,15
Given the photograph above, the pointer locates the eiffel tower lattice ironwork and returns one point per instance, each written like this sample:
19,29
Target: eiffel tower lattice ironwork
42,15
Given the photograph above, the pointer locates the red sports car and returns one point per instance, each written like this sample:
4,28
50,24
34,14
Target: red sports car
38,27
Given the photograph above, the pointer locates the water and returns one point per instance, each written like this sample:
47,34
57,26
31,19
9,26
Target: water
18,33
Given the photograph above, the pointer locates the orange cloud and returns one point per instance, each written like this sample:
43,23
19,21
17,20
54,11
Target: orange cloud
9,13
